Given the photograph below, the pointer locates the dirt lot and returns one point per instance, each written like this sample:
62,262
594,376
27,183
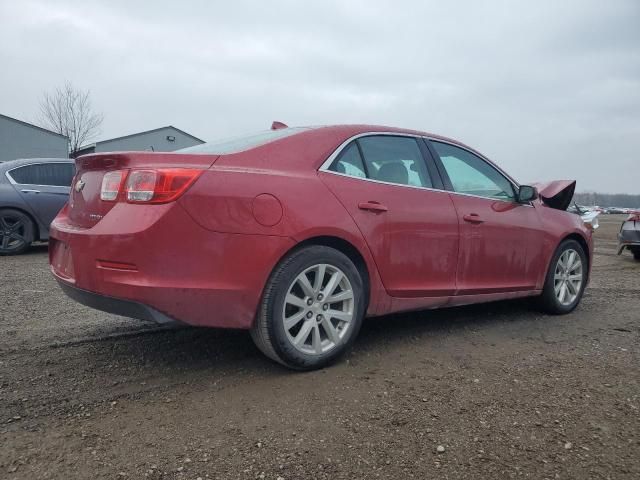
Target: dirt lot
508,392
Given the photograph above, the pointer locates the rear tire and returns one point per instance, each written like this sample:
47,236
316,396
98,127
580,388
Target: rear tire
312,309
566,279
17,232
636,252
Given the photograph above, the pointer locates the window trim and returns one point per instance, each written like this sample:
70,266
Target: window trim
365,167
360,156
442,178
325,167
13,182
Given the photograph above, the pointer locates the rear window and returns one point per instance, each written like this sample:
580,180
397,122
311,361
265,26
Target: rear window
240,144
387,158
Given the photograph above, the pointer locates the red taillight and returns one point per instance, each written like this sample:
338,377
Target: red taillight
147,186
111,183
160,185
141,185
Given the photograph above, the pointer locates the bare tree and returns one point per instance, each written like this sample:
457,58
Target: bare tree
67,110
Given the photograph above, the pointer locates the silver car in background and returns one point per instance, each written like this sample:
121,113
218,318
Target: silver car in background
32,192
629,236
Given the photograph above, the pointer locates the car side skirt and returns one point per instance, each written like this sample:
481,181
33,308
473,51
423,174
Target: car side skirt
399,305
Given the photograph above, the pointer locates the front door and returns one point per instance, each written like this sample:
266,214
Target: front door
410,228
500,239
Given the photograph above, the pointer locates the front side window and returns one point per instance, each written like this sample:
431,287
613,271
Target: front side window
472,175
387,158
51,174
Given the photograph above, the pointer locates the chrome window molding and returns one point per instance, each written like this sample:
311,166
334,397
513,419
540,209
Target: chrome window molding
13,182
327,163
386,183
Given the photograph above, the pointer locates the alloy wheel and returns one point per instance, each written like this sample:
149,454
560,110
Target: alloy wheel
12,231
567,280
318,309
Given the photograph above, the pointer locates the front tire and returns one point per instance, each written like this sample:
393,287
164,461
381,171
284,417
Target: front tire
17,232
566,279
636,252
312,309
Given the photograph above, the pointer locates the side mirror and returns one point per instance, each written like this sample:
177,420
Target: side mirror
527,193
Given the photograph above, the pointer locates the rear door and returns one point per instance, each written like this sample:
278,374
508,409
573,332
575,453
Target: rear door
411,228
44,187
500,239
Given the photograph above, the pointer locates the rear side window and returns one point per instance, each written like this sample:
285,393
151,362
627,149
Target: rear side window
350,162
52,174
386,158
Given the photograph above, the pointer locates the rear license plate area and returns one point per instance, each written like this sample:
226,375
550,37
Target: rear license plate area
62,260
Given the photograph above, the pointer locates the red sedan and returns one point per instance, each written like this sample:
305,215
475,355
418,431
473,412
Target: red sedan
297,234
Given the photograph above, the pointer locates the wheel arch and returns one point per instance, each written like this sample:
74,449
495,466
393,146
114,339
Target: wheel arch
570,236
583,243
344,246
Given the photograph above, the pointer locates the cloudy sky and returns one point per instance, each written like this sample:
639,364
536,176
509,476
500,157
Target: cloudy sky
547,89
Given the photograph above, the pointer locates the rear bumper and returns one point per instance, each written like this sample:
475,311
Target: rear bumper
117,306
158,264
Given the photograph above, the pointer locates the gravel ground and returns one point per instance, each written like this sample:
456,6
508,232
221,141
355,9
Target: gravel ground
488,391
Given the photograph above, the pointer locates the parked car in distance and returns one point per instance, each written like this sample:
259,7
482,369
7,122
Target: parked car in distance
32,192
297,234
589,217
616,210
629,235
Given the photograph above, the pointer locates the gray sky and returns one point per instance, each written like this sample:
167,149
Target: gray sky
548,89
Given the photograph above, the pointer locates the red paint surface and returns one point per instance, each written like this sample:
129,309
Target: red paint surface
204,259
267,210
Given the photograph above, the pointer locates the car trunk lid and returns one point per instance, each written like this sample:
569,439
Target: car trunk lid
86,208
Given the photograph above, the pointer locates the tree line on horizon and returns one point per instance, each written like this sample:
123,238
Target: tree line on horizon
623,200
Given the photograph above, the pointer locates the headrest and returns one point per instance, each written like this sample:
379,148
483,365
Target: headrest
393,172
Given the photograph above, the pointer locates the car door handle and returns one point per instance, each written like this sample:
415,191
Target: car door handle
372,207
26,190
472,218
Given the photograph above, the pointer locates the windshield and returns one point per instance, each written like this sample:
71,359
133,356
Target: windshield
240,144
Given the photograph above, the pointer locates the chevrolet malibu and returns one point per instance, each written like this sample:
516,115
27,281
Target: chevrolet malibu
297,234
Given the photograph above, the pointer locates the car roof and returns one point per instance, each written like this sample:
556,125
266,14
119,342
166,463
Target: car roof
323,134
358,129
365,127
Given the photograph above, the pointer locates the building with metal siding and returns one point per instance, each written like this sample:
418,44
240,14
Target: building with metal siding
20,139
163,139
